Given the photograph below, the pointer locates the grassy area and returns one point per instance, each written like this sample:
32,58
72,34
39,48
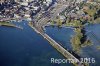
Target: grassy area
87,43
97,20
74,23
7,24
90,12
98,47
79,40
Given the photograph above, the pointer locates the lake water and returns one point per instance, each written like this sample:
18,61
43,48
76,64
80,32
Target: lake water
63,36
25,48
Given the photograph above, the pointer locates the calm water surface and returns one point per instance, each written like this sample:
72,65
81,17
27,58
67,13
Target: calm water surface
25,48
63,36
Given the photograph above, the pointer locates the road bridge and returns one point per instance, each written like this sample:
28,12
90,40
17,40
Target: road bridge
58,47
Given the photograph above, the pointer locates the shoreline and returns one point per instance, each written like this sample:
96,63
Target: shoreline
57,46
8,24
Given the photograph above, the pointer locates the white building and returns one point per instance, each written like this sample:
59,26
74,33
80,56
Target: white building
23,0
78,1
27,15
48,2
36,8
27,0
24,3
16,15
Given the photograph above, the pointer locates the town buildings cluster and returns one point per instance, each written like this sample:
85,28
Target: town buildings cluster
22,8
29,8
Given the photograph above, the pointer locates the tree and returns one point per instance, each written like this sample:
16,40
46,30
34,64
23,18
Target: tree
59,22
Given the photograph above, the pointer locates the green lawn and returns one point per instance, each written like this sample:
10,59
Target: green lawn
7,24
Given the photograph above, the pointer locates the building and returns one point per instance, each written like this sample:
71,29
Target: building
85,8
61,1
79,1
3,1
23,0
